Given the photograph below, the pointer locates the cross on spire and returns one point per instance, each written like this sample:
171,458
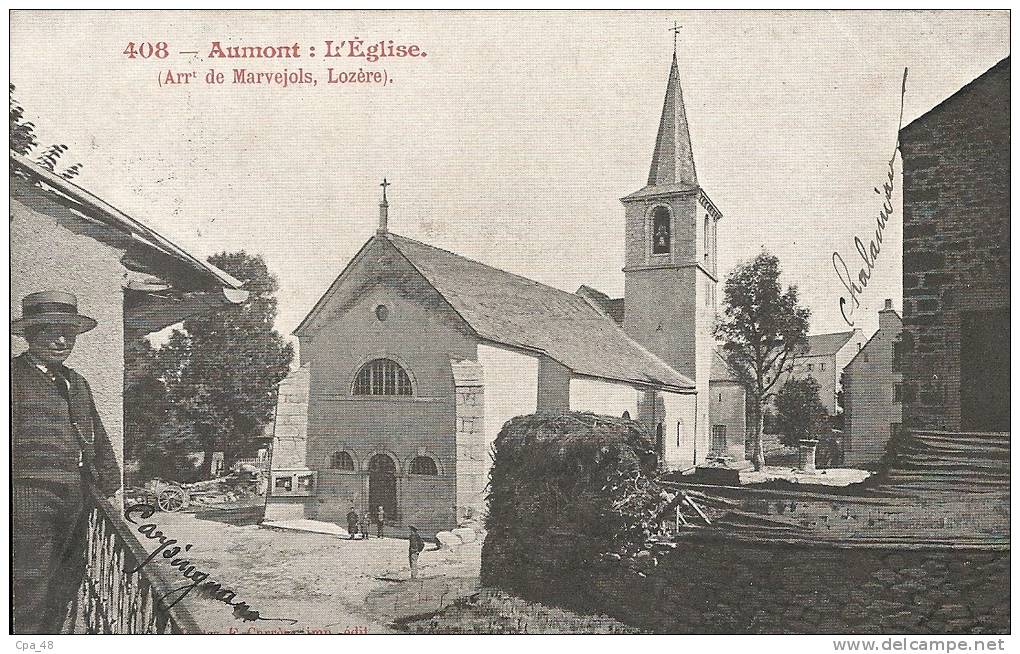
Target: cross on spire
384,211
676,32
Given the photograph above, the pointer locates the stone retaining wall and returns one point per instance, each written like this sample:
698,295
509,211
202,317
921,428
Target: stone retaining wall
730,586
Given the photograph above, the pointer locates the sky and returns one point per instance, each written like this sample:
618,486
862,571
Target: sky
510,141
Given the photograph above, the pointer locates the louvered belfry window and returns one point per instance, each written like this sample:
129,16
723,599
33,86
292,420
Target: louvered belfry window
382,377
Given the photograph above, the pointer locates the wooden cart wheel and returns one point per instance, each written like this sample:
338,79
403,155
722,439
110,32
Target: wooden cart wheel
171,499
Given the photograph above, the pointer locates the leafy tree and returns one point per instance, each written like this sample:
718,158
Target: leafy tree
23,141
222,370
761,328
800,413
155,444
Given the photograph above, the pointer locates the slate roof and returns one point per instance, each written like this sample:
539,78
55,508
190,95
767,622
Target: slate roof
519,312
612,307
1001,70
825,344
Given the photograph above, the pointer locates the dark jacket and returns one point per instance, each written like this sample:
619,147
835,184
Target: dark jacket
416,544
52,434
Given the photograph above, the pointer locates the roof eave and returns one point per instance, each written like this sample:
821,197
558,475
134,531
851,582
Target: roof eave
138,230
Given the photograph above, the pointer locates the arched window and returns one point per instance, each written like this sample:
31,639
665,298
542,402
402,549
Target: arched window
423,465
382,377
661,231
708,243
341,461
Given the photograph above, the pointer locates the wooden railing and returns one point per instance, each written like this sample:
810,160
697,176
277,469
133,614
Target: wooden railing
111,601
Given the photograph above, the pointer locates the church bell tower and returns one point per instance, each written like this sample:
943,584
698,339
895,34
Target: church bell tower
670,272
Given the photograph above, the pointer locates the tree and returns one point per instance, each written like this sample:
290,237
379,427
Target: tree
155,443
761,327
799,411
24,142
222,370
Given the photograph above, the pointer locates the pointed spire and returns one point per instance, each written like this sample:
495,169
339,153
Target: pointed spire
673,159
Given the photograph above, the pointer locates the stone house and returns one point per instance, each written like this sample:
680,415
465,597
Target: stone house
824,358
956,267
728,411
874,392
125,275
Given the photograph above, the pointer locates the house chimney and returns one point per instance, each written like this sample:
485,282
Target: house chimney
888,321
384,208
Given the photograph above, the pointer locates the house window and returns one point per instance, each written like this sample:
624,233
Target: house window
423,465
718,438
822,365
382,377
810,367
661,231
706,237
341,461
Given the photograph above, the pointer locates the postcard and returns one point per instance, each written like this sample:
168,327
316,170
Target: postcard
518,322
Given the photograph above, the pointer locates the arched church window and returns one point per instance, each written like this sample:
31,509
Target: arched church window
423,465
382,377
707,237
341,461
661,231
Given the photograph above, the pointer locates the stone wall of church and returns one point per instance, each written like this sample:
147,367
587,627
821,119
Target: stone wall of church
605,397
472,453
728,409
678,422
422,340
511,389
674,411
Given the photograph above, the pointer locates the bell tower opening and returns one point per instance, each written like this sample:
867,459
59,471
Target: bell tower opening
662,231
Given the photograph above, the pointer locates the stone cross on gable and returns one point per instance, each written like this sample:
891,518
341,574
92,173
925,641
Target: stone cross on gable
384,185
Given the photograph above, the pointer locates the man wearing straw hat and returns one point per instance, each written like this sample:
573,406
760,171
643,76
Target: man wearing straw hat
60,448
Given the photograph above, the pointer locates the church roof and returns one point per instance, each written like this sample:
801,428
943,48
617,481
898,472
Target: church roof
611,306
519,312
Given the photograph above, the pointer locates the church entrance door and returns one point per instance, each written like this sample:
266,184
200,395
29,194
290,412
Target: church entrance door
382,485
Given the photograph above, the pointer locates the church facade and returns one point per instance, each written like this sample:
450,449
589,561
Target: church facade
415,357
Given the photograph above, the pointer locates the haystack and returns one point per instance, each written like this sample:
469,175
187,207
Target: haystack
566,488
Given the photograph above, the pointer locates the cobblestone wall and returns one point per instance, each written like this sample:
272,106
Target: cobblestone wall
725,586
956,201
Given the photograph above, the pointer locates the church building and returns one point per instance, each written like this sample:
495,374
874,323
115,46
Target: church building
415,357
